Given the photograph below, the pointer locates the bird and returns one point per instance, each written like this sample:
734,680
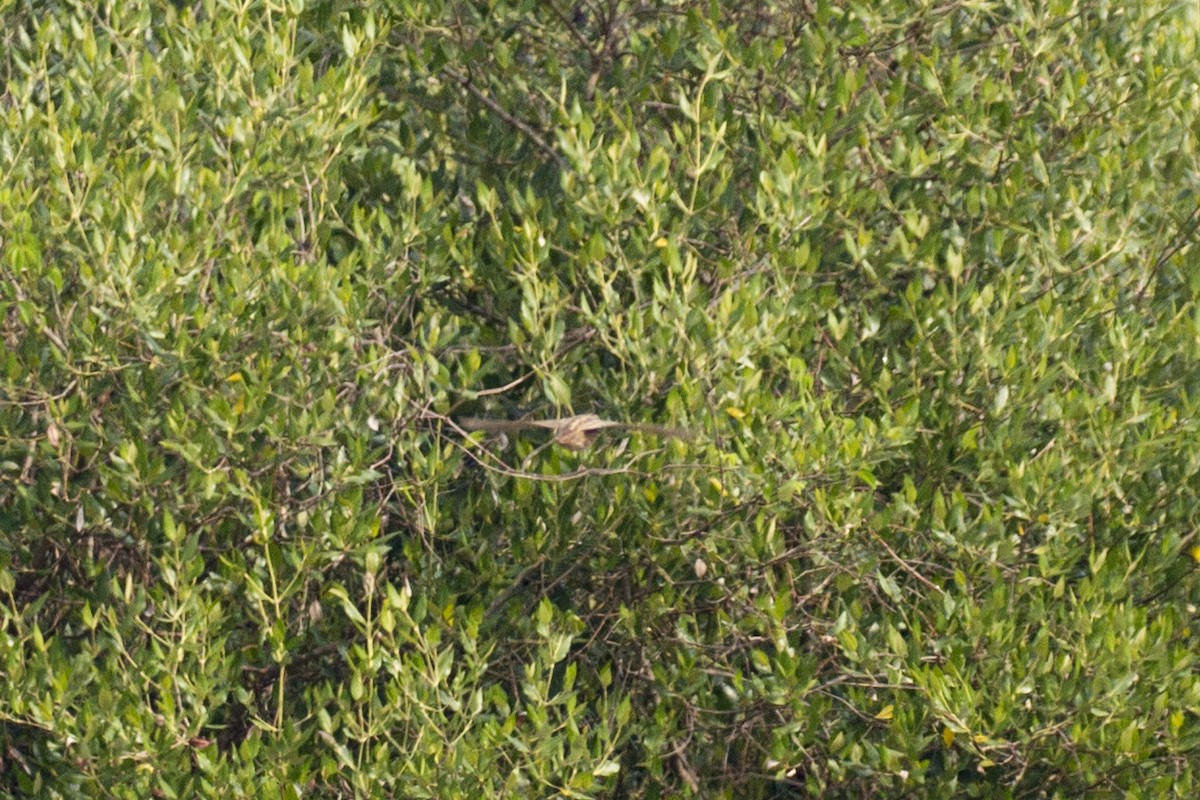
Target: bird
573,433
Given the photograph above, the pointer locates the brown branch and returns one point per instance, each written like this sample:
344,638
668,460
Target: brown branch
524,127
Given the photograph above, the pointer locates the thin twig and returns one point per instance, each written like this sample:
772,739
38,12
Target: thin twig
500,111
505,387
904,565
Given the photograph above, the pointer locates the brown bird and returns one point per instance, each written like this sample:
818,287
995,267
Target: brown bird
573,433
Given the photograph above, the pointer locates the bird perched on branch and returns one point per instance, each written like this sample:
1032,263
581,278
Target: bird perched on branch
573,433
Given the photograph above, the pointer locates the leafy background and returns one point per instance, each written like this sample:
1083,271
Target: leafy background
921,277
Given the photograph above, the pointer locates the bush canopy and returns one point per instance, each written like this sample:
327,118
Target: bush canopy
920,280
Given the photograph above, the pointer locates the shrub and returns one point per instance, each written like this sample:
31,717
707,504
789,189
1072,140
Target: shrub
921,280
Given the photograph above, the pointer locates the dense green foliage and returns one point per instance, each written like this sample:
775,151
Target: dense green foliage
922,277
